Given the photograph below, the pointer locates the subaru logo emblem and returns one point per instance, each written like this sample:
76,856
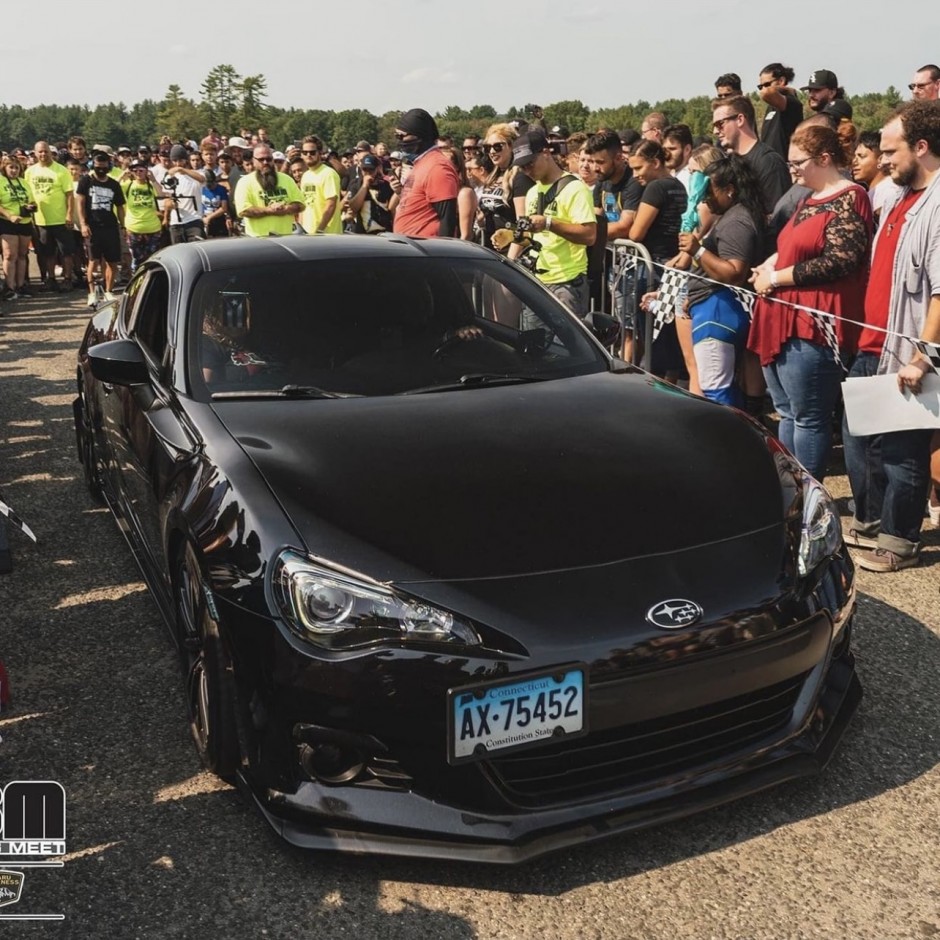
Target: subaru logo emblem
674,614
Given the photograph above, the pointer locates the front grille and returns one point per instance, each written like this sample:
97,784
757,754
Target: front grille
635,755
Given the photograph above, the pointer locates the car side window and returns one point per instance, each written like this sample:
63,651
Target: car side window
132,295
148,319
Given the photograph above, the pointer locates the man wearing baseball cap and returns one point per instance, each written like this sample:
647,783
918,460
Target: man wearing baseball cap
821,87
560,208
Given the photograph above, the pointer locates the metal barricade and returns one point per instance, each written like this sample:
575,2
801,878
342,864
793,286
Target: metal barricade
619,253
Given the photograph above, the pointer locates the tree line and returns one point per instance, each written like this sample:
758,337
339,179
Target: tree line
229,101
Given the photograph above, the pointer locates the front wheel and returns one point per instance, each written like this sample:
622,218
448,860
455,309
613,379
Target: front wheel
207,668
87,452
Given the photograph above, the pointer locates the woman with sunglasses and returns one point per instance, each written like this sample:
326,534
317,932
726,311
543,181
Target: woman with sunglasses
821,264
502,198
16,208
142,218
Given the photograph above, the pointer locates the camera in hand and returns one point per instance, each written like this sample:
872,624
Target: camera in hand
170,181
28,208
522,234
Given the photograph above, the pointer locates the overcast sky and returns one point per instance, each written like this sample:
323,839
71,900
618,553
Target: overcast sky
385,56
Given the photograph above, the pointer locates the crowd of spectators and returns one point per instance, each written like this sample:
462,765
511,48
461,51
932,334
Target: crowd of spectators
835,230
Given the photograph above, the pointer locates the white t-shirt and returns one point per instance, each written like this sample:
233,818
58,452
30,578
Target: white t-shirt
189,200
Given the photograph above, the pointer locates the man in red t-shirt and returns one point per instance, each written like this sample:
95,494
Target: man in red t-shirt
428,206
889,473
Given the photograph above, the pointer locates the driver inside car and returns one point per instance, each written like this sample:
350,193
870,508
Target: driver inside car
224,348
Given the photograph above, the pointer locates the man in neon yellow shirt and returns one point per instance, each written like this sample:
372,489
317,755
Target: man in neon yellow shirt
320,188
561,210
51,184
267,200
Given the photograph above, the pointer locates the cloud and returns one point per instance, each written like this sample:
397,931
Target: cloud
179,50
430,74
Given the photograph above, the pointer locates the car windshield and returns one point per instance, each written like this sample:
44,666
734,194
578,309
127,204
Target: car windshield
337,328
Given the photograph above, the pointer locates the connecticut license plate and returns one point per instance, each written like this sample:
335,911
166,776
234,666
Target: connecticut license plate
495,717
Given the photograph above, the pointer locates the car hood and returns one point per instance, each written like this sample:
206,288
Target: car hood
513,480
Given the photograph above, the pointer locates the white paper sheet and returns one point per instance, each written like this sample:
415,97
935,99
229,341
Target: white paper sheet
875,405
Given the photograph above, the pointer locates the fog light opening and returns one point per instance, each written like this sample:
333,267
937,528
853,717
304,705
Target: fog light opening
331,763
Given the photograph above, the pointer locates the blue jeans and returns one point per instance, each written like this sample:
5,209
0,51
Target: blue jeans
804,382
888,474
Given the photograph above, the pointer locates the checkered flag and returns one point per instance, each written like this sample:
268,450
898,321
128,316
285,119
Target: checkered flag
673,289
746,299
929,350
829,335
16,521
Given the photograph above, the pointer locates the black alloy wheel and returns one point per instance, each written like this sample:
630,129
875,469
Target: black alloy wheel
207,670
87,452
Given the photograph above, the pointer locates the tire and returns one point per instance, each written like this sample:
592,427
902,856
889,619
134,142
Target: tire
87,453
207,671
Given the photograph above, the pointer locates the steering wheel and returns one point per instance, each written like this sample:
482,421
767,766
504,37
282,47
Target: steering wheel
453,340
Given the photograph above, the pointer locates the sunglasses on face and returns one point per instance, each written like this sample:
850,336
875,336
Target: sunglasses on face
495,148
309,153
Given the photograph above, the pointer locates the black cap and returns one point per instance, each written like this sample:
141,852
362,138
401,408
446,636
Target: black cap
821,78
840,108
559,131
527,147
369,162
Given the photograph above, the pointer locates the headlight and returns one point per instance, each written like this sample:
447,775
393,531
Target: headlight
821,533
340,611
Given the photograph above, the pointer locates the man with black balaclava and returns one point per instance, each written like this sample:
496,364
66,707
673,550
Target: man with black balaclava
428,206
98,197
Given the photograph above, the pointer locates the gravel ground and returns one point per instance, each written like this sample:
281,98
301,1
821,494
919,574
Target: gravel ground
159,849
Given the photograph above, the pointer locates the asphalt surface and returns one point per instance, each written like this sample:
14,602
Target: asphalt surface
156,848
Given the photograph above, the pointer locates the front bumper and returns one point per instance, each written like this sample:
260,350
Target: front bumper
734,722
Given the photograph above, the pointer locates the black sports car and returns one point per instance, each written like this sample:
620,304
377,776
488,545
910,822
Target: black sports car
444,577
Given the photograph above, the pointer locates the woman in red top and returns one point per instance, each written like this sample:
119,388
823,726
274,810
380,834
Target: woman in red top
821,263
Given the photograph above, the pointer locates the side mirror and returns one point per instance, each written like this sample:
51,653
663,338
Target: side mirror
119,362
605,327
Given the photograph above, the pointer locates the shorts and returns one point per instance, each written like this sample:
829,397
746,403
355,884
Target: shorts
15,228
105,242
575,295
52,237
187,232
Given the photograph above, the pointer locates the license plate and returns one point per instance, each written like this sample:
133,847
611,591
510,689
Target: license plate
496,717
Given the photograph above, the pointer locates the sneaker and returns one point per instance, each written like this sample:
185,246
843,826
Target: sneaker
933,506
51,285
92,300
108,296
24,291
881,560
855,539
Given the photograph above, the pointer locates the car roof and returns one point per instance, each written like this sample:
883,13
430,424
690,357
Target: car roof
227,253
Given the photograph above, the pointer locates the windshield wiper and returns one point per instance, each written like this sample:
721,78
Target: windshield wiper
477,380
286,391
